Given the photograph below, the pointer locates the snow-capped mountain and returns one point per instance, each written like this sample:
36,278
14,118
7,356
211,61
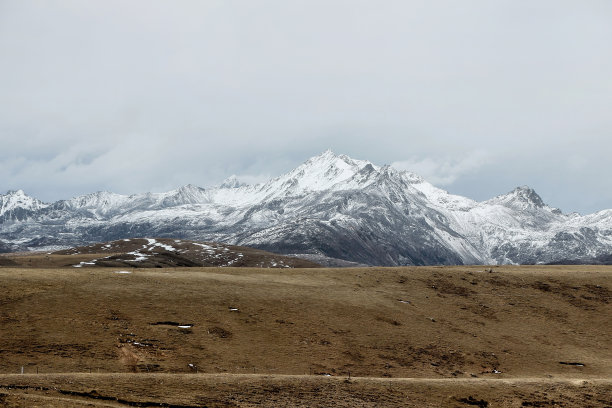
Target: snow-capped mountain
330,206
17,206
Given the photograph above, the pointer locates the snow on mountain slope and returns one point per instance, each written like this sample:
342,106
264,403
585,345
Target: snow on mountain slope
321,173
330,206
103,204
325,172
17,206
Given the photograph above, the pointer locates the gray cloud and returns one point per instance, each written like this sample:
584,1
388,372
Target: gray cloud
444,171
148,95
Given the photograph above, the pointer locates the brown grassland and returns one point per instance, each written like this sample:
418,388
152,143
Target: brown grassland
533,336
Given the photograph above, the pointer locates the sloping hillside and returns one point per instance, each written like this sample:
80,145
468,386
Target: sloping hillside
156,253
549,325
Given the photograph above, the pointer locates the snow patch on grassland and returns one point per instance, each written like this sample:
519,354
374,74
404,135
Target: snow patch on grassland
155,243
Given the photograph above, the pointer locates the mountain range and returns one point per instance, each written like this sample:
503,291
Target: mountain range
331,209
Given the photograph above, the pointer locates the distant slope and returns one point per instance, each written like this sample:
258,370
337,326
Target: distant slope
331,207
157,253
599,260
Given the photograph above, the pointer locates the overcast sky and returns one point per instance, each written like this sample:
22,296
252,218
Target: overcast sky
476,96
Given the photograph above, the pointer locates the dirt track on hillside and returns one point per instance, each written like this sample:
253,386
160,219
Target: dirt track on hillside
248,390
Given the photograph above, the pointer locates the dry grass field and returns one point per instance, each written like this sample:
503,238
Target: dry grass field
537,336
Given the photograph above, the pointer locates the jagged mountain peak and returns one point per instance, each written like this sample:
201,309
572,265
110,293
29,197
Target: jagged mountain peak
18,199
18,196
411,177
522,197
329,158
19,192
406,176
187,194
527,195
17,205
97,199
232,182
333,162
188,189
324,171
